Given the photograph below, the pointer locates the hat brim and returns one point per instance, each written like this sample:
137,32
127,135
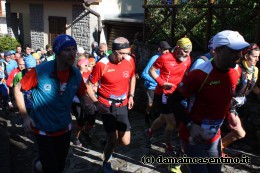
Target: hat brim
239,45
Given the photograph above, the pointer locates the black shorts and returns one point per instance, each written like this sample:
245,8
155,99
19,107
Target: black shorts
116,119
172,106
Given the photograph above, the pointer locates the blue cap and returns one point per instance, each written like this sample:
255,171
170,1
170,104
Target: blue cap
30,61
7,54
62,42
12,52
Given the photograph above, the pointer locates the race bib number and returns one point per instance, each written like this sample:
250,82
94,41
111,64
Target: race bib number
211,127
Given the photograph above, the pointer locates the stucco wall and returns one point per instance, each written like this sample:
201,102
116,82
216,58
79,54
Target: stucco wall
112,8
106,9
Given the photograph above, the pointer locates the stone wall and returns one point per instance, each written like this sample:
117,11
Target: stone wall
37,26
80,26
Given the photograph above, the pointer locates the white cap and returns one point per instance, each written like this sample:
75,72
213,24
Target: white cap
81,50
231,39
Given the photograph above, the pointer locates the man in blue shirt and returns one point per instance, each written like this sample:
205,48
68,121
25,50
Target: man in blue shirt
149,83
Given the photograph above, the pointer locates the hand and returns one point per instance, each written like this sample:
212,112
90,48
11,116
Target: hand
233,120
198,134
167,86
130,102
101,108
28,123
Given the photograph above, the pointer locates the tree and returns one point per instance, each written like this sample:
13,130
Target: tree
8,43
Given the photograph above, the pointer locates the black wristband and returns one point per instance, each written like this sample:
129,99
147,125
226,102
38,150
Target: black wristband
131,95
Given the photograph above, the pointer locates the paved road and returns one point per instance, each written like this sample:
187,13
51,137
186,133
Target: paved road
19,151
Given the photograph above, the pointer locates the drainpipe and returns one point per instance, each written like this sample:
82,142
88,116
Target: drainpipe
99,19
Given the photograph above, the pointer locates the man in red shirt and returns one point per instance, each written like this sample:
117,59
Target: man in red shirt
172,69
116,77
21,66
209,90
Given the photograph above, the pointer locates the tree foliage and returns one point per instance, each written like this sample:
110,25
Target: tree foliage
8,43
239,15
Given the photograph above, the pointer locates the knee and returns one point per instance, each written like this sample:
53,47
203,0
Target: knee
239,133
124,142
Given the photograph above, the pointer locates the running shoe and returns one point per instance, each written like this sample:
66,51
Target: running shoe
174,168
107,167
77,143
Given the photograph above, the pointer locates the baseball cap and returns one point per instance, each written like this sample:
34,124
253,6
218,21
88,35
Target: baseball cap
36,56
164,45
184,43
210,44
231,39
7,54
62,42
30,62
12,52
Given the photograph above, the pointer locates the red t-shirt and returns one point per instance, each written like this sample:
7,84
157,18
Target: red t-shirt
113,79
30,80
171,71
11,76
209,102
85,76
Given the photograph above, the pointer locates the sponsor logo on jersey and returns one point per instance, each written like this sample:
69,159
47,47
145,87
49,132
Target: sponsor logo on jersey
125,74
214,83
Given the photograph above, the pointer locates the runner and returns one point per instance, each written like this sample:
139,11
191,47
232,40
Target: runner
246,83
53,84
209,90
116,77
172,69
149,83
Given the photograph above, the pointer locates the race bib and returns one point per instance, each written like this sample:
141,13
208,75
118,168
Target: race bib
211,127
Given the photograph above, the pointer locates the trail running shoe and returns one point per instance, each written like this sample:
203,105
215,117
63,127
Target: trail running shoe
77,143
174,168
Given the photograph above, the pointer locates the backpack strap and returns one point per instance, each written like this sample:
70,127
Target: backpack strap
202,57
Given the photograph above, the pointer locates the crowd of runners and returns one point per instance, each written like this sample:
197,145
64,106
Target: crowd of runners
197,95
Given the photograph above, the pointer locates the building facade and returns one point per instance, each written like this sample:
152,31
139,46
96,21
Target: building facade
38,22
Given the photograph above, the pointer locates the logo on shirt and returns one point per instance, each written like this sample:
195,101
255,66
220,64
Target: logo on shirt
214,83
110,70
173,64
47,87
125,74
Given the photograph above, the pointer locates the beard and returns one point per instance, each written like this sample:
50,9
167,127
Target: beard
182,58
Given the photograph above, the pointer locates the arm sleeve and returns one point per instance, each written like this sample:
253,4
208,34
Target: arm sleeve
145,73
97,73
82,89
